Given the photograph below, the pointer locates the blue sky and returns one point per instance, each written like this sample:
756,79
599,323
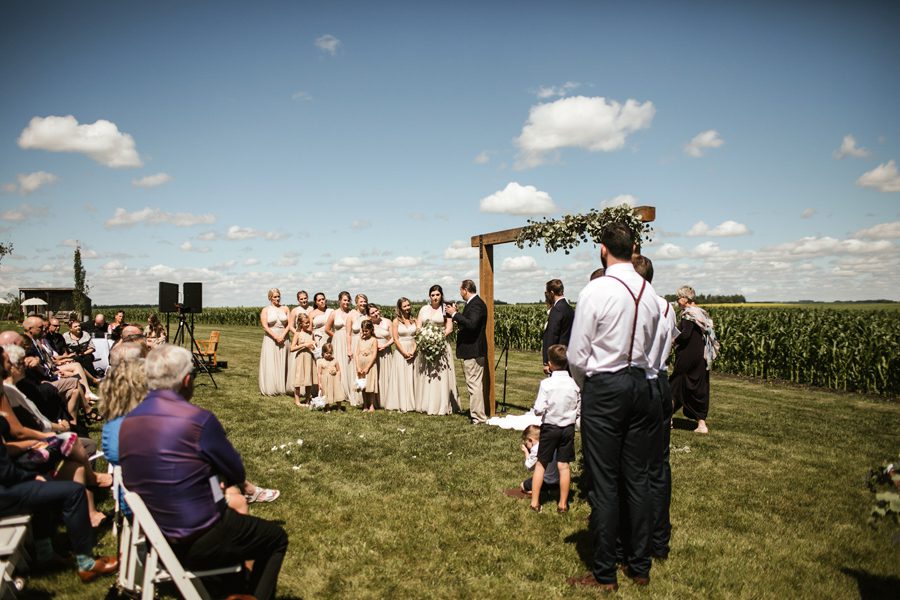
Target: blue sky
359,145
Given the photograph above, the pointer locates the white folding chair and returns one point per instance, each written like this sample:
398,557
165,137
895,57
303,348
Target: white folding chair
160,563
14,531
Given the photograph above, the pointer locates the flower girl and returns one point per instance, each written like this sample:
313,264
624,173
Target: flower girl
304,367
329,371
367,365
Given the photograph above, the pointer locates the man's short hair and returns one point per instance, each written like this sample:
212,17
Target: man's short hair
127,352
598,273
555,287
468,285
643,266
556,354
618,241
167,366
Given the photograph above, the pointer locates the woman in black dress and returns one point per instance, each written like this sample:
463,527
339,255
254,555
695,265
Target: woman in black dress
695,349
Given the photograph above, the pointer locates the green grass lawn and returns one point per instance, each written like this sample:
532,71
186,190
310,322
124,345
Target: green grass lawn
771,504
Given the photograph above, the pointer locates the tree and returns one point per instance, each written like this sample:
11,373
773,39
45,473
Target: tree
79,294
5,248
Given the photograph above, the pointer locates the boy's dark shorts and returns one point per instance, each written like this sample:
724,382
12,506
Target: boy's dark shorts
557,439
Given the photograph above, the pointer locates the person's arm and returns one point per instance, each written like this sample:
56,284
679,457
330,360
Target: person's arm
16,430
542,402
329,324
473,317
531,459
580,343
292,318
225,460
295,343
396,338
265,324
387,341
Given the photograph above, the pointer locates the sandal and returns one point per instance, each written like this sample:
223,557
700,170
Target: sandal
262,495
537,508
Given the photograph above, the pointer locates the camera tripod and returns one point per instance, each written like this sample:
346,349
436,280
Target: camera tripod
194,347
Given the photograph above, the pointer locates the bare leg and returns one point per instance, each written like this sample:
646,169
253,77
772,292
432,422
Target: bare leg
72,471
537,480
297,396
565,480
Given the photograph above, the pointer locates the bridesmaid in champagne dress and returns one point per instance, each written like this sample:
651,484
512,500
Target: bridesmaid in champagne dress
274,353
436,385
356,317
302,307
403,329
336,329
387,397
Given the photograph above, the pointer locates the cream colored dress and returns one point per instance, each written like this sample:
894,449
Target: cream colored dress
339,341
386,394
365,349
354,396
272,357
330,382
404,378
435,387
305,372
318,323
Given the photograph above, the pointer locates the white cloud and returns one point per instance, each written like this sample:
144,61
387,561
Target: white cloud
884,178
807,213
725,229
301,95
701,141
404,261
883,231
236,232
155,216
460,250
517,199
705,250
189,247
483,158
347,263
207,236
249,262
31,182
668,251
22,213
595,124
113,265
151,181
827,246
849,148
286,261
328,43
618,200
519,263
102,140
556,91
358,224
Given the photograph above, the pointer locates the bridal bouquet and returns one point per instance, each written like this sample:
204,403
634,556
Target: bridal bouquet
431,345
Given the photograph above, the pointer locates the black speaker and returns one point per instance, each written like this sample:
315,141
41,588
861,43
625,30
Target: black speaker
193,297
168,297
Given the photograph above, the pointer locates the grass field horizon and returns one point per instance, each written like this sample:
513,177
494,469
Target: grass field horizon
772,503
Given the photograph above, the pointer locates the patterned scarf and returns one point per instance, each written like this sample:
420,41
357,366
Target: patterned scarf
705,323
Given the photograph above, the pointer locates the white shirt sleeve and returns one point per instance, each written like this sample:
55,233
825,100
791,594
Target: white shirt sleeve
531,459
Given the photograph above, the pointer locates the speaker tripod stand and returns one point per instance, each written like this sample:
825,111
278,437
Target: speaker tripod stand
179,340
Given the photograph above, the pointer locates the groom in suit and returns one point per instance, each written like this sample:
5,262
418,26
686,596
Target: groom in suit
559,319
471,346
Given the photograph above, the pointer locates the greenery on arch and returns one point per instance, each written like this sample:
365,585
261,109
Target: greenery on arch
570,230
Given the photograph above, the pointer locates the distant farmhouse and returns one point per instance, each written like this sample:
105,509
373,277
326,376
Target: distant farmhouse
55,301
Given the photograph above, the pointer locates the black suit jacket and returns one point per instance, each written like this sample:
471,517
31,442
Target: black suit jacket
470,339
559,326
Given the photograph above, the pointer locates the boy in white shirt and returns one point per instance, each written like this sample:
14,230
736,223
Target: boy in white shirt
559,404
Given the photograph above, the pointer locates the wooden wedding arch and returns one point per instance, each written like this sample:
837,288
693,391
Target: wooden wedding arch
485,244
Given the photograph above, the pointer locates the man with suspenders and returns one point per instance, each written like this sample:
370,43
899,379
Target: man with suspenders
616,321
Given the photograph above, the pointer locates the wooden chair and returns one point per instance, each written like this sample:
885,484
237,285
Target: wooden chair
149,559
207,349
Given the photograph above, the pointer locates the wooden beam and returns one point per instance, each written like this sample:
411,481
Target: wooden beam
486,287
497,237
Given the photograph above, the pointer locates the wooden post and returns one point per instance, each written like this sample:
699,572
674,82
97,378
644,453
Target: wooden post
485,244
486,288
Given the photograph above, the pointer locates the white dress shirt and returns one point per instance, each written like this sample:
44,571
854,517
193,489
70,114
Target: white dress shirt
558,400
604,315
662,343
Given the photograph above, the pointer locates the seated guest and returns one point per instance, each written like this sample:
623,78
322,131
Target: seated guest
63,363
59,394
115,328
174,454
26,491
154,331
99,328
78,346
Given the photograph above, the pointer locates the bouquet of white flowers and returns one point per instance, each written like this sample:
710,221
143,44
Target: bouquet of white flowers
430,343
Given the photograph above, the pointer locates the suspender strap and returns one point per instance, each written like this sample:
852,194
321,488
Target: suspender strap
637,300
666,314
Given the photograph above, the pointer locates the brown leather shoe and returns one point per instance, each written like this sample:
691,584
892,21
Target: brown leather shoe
588,580
103,565
636,579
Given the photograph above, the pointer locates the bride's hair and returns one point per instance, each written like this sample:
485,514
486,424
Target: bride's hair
438,288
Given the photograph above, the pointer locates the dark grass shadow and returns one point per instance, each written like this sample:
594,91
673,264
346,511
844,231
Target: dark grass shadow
581,539
874,587
683,424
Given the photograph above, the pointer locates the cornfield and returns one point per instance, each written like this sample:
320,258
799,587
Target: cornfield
843,349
